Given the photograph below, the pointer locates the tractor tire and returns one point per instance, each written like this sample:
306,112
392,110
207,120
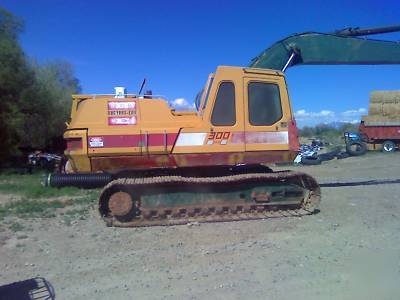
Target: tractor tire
356,148
310,161
388,147
328,155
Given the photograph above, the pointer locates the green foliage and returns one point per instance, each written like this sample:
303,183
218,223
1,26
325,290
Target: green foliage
10,25
15,76
47,103
34,98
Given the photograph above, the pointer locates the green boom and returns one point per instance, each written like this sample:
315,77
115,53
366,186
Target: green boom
339,48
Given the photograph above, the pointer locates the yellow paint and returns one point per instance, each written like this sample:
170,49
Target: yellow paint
79,159
89,117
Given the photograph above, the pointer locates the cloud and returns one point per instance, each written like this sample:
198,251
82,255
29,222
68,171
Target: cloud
327,116
182,104
354,112
303,114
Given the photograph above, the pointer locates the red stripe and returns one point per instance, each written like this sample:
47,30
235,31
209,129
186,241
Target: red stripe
115,163
135,140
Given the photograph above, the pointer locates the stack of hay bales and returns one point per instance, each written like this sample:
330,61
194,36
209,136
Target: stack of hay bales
384,109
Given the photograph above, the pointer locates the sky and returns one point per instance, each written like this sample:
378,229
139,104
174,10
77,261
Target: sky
176,44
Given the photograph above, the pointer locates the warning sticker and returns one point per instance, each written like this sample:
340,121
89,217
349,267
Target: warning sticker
122,121
121,105
121,113
96,142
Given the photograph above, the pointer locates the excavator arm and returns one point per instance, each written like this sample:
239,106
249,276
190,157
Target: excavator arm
343,47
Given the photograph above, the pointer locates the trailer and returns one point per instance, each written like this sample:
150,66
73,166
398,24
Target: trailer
381,127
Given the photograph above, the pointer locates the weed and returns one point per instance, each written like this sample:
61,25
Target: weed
15,227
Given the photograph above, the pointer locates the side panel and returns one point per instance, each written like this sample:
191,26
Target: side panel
77,150
133,127
119,132
381,132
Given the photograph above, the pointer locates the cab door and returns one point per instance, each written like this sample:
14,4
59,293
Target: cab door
226,119
223,120
267,113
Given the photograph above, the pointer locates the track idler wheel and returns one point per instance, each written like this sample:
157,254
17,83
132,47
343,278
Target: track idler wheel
122,206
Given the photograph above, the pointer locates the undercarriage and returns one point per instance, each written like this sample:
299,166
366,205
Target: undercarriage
173,200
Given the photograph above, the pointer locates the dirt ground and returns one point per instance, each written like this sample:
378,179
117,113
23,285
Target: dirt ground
349,250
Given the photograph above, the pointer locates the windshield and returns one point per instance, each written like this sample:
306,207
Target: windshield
197,100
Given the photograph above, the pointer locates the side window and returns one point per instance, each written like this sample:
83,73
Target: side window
264,103
224,112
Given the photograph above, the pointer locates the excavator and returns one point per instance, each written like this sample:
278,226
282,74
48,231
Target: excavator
159,166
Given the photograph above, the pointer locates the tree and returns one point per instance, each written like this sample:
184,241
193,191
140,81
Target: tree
34,99
46,105
15,76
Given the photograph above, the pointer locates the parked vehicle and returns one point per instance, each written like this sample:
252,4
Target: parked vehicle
47,161
381,127
355,143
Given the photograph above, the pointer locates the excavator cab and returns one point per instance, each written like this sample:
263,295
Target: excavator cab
246,118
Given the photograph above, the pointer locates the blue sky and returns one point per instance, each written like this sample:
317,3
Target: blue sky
176,44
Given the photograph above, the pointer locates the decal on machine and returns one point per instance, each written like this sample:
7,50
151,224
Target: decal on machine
122,113
112,105
218,137
96,142
122,121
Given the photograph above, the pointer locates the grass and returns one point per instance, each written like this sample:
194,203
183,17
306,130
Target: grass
37,201
16,227
26,208
29,186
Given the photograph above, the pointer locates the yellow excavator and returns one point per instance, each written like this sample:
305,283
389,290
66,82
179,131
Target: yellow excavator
159,166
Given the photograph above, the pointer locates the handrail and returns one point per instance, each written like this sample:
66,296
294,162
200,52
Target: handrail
94,96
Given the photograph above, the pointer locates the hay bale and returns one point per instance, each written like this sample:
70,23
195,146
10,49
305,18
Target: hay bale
385,96
385,103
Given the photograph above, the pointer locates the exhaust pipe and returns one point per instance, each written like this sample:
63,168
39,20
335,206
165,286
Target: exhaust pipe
88,180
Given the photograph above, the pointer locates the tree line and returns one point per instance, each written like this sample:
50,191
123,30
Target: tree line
327,131
35,98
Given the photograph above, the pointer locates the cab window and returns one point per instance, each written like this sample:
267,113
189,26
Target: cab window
264,103
224,112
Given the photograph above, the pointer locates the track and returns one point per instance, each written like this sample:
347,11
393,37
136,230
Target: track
295,194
